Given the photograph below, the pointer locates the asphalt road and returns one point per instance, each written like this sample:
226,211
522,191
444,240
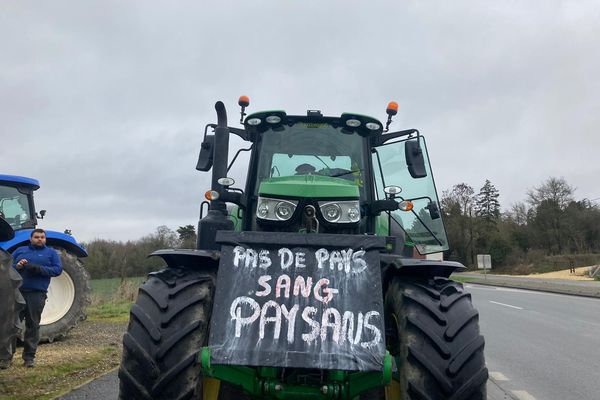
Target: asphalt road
540,345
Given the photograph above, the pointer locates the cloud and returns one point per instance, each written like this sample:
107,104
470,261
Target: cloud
106,102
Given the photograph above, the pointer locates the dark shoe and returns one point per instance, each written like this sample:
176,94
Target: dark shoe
29,363
5,364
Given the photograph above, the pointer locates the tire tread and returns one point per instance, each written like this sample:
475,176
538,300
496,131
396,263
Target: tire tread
437,345
169,324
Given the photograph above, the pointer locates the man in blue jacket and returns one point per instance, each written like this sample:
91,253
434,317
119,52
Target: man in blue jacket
37,264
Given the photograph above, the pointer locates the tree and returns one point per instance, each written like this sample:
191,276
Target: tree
549,202
555,190
457,208
487,205
515,224
549,227
187,236
518,214
166,237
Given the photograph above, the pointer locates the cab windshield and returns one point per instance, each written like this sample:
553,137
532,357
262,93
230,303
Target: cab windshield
311,149
14,207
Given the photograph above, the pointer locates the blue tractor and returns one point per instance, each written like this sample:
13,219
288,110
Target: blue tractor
69,293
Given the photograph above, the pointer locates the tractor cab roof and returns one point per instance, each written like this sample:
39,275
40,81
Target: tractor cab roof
277,120
20,181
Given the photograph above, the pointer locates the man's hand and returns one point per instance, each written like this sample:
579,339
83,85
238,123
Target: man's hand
36,269
21,263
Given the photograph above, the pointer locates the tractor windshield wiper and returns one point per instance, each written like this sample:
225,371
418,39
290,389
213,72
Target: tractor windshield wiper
346,173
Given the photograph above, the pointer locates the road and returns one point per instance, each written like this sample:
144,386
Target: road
540,345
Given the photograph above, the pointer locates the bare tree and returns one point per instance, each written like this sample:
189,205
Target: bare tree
555,190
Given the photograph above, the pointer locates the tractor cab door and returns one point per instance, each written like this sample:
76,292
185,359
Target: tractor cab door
405,164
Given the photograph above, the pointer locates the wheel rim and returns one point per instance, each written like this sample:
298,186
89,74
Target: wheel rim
61,294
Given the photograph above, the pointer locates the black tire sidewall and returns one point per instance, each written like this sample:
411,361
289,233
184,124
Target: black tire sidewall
11,303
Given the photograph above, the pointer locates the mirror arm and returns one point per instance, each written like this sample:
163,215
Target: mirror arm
382,139
237,154
235,197
241,133
237,131
382,205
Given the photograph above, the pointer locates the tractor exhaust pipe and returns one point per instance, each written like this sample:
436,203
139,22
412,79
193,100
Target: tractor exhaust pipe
220,156
216,217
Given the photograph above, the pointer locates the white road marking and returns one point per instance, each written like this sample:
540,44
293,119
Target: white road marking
498,376
523,395
506,305
503,289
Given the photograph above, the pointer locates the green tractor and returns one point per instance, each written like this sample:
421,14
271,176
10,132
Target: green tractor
319,280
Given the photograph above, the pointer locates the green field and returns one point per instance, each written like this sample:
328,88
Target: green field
112,298
106,289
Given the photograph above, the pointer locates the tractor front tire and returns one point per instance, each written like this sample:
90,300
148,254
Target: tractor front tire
434,336
167,327
68,296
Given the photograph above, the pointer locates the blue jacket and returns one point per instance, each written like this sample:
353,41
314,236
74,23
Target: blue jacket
42,264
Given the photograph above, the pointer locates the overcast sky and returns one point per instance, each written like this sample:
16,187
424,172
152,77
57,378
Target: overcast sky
105,102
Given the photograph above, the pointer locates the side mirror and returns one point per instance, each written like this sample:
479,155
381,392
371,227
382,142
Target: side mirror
414,159
205,159
434,211
41,214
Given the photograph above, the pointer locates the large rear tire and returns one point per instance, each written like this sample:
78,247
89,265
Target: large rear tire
11,304
434,335
167,327
68,296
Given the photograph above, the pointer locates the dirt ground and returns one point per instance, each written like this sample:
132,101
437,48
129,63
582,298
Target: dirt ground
581,274
84,338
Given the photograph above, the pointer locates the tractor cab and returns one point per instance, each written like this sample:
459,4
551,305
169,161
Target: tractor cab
308,174
16,201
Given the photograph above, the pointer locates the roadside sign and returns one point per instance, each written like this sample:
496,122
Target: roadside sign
484,261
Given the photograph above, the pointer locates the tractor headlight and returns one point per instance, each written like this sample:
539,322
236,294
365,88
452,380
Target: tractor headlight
284,210
332,212
341,212
275,209
262,210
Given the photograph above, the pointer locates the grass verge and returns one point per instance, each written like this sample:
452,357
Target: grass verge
50,379
463,279
110,312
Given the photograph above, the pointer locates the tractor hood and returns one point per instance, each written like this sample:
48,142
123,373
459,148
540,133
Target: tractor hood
313,186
